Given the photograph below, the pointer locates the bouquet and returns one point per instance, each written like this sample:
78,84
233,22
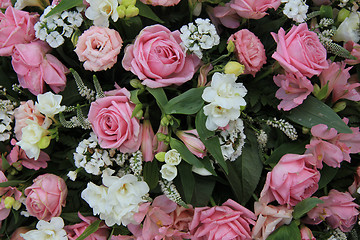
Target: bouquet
175,119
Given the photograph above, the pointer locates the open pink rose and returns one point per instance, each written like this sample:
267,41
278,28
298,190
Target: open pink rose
290,181
112,123
250,51
300,51
5,3
46,197
164,3
98,48
16,27
254,9
158,59
35,67
229,221
74,231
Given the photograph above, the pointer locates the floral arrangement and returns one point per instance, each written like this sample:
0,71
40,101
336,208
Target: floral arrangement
169,119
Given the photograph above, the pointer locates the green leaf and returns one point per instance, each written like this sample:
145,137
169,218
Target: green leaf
209,139
208,166
312,112
305,206
326,11
326,175
185,153
204,187
134,96
12,183
245,172
187,180
90,230
151,173
146,11
285,148
4,163
189,102
159,95
63,6
132,26
286,232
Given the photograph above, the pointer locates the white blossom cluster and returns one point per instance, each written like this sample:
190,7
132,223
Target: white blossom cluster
6,119
262,138
199,36
284,126
337,235
295,9
117,200
232,140
226,97
169,189
47,230
55,28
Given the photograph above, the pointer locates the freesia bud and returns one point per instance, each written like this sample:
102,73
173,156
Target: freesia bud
121,11
44,142
231,46
160,156
131,11
9,202
127,3
339,106
234,67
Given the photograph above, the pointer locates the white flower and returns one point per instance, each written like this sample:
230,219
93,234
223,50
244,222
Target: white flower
232,140
348,29
49,104
168,172
96,197
225,91
201,171
47,230
72,175
172,157
100,11
296,10
218,116
54,39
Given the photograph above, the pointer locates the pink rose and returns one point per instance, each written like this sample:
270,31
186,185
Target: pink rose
5,3
35,67
293,90
164,3
290,181
229,221
354,49
338,210
227,16
158,59
6,192
112,123
254,9
269,218
46,197
16,27
300,51
98,48
74,231
250,51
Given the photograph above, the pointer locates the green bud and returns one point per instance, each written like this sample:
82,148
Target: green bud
13,171
136,83
233,67
17,166
160,156
242,108
139,114
44,142
16,205
127,3
161,137
131,11
231,46
316,89
121,11
9,202
75,37
305,130
342,15
339,106
165,121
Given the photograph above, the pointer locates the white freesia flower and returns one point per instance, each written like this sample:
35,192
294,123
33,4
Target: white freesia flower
168,172
96,196
218,116
47,230
49,104
172,157
100,11
348,29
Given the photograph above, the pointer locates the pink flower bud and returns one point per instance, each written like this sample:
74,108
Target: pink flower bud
192,141
147,148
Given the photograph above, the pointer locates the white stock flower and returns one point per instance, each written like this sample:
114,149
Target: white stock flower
49,104
47,230
348,29
168,172
100,11
172,157
232,140
296,10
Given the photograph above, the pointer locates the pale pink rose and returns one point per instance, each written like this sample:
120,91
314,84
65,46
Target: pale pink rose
147,147
111,121
306,233
227,16
18,231
337,77
7,192
290,181
293,90
16,27
269,218
254,9
192,141
160,146
354,49
229,221
98,48
26,111
164,3
46,197
74,231
5,3
180,228
35,67
249,51
338,210
17,154
157,58
300,51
